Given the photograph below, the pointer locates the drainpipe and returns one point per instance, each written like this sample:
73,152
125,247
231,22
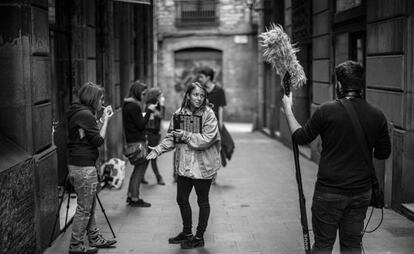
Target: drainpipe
260,69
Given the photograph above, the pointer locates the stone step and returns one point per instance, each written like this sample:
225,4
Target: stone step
408,210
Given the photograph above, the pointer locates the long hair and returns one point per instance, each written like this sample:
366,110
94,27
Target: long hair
90,94
136,89
190,88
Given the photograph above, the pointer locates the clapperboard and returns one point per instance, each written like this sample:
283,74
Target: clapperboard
190,123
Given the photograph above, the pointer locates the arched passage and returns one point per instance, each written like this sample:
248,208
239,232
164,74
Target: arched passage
186,62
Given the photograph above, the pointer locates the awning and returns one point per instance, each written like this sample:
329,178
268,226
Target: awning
135,1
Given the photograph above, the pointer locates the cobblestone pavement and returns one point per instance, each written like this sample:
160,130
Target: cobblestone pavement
254,208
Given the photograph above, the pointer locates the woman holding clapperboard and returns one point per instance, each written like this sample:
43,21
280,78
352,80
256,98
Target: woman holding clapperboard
198,159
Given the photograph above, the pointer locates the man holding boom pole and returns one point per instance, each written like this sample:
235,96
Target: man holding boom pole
344,182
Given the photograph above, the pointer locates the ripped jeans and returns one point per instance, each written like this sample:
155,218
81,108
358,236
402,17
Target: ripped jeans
85,182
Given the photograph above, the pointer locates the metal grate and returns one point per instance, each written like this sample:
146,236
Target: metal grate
196,13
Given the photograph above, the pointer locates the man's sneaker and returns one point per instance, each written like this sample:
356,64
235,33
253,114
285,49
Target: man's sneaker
143,181
181,237
81,249
195,242
100,242
139,203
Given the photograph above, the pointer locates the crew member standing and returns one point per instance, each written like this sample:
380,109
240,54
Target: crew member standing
343,186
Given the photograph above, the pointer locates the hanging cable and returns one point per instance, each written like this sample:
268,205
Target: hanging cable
373,230
379,224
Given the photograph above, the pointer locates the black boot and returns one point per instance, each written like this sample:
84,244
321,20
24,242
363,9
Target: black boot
139,203
181,237
160,181
195,242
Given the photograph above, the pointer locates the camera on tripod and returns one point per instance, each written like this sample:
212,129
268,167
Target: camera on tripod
112,173
106,174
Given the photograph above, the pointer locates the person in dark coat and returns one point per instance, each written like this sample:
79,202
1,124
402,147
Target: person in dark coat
153,127
134,126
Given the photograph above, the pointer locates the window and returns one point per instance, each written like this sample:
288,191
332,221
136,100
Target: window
350,46
343,5
347,10
196,13
357,47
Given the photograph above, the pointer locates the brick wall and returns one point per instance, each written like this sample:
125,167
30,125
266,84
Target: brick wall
239,58
233,16
17,215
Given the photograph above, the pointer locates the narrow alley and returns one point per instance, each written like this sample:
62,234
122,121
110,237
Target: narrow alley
50,50
254,208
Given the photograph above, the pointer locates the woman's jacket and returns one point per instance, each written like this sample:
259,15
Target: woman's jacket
133,121
199,156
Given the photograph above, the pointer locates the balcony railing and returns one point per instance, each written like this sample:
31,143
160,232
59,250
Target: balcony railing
196,13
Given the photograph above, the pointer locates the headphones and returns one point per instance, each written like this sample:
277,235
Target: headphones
350,93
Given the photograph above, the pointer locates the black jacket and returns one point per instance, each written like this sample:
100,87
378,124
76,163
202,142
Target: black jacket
342,168
227,146
83,136
134,122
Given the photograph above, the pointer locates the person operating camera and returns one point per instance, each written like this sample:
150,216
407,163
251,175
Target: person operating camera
84,139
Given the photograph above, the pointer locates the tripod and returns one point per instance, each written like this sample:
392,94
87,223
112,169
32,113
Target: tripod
68,188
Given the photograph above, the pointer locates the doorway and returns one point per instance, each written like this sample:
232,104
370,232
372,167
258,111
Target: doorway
61,81
186,63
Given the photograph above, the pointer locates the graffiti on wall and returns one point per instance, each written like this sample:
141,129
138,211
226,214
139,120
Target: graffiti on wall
186,64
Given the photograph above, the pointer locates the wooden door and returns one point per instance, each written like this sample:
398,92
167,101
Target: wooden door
61,80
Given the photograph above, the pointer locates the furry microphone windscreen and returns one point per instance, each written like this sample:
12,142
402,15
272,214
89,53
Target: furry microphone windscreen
281,54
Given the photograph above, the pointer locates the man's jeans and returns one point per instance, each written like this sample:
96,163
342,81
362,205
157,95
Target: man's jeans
85,182
331,212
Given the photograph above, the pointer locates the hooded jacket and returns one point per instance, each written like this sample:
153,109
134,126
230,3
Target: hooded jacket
83,136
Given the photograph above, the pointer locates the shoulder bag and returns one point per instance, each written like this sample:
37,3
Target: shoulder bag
136,152
377,198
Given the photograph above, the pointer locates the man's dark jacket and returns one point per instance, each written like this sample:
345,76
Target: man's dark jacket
342,168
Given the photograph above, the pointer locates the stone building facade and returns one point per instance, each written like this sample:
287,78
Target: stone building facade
48,49
377,33
218,33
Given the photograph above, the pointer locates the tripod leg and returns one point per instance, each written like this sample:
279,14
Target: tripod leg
67,208
103,211
57,214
